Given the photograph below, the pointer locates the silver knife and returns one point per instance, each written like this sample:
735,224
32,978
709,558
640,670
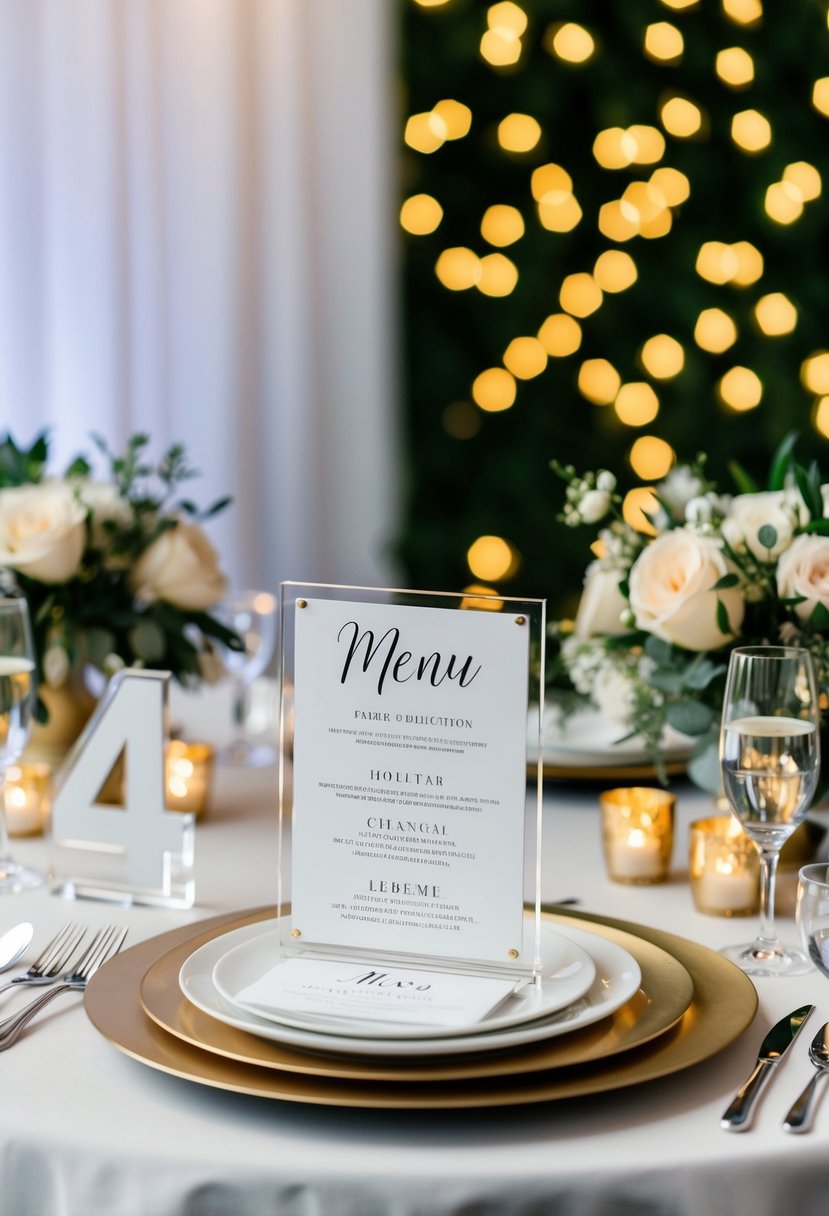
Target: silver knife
738,1116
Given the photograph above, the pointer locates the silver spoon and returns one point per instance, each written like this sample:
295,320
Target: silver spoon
799,1118
13,943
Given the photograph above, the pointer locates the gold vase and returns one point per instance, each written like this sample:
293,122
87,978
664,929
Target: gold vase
70,708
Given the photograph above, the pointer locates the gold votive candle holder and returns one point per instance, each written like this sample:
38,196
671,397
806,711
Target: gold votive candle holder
28,798
637,833
188,776
724,867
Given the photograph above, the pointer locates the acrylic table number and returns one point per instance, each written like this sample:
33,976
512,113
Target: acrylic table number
136,853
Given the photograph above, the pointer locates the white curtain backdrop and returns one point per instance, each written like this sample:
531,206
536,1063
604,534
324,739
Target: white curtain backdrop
197,241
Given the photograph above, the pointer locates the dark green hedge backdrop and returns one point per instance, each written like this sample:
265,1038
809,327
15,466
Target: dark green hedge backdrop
473,472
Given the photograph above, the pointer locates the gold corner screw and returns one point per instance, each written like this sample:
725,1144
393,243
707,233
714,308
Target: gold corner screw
302,603
296,933
512,954
520,620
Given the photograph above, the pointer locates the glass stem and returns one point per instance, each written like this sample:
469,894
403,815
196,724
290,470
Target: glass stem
5,850
768,877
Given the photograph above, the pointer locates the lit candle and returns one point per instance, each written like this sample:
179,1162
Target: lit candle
724,868
637,832
28,790
188,776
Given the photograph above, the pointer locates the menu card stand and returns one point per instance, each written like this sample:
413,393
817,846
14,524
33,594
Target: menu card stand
406,835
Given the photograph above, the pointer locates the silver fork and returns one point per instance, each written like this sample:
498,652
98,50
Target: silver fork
51,963
104,944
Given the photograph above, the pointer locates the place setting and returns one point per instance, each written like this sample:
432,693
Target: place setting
414,965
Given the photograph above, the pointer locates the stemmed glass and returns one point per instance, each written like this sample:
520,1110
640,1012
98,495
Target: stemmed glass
770,757
813,913
252,615
17,702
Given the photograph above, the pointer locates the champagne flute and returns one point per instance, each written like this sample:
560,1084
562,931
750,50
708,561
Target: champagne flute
770,758
17,701
252,615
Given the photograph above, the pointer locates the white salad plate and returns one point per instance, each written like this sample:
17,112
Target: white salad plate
588,737
617,978
567,971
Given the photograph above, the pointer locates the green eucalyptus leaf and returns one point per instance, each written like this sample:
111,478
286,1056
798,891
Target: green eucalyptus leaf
666,681
723,623
659,650
690,717
781,460
700,675
767,536
704,764
819,618
727,580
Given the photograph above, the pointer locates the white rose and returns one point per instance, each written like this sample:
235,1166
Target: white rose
105,505
672,595
748,513
803,570
678,488
601,604
182,568
42,531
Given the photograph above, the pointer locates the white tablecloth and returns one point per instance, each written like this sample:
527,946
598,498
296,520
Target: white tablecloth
87,1131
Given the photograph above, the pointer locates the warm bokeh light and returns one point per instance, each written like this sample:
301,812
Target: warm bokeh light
508,16
671,184
664,42
820,95
617,222
456,117
461,420
431,3
751,130
481,598
580,295
805,179
740,389
735,67
715,331
498,275
570,42
425,132
491,558
740,263
638,504
420,214
820,418
615,270
681,117
784,202
651,458
775,314
814,373
750,264
502,225
599,381
518,132
550,180
646,201
525,358
662,357
636,404
559,214
458,268
615,148
494,390
680,4
743,12
560,335
650,144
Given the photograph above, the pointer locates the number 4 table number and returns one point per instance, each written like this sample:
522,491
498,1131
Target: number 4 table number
139,852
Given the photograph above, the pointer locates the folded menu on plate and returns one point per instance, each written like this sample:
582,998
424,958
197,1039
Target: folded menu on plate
353,989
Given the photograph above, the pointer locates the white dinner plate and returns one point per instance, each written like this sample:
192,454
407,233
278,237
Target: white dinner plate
617,979
587,737
567,971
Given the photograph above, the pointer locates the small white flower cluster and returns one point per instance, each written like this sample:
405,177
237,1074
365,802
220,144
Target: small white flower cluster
614,679
588,498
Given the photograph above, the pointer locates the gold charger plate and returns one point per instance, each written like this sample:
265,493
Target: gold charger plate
665,994
597,774
723,1007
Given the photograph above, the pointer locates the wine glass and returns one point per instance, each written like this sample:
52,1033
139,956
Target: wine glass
252,615
769,757
813,913
17,702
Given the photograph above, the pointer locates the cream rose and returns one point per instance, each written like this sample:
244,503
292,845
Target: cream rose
672,591
601,605
803,570
42,531
182,568
751,512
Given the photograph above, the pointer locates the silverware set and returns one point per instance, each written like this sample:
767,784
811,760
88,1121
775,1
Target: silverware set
738,1116
55,969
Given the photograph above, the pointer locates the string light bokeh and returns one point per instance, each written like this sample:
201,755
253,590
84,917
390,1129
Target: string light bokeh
613,227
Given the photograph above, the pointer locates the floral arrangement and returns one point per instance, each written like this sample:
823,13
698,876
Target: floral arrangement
660,610
116,572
